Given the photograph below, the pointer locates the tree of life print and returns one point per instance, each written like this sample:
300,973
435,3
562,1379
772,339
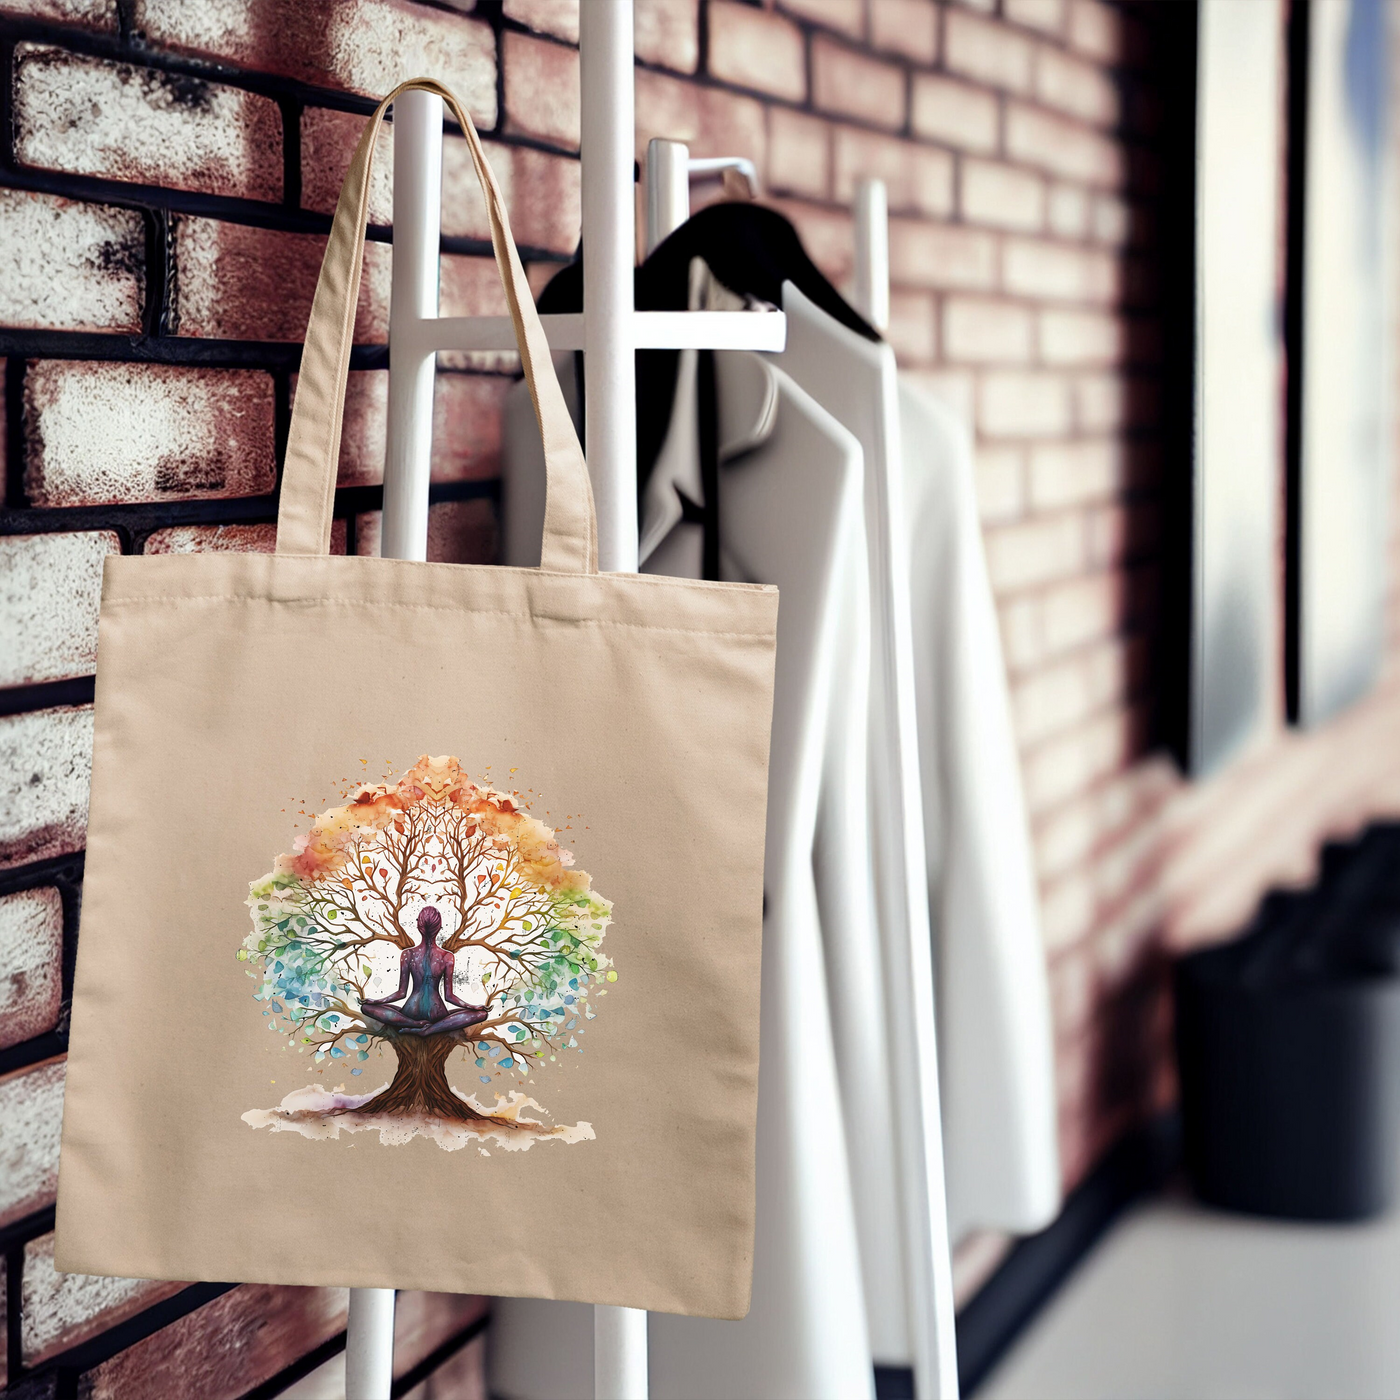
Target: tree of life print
425,917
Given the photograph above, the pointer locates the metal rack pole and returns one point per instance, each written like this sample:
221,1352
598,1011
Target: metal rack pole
369,1340
610,434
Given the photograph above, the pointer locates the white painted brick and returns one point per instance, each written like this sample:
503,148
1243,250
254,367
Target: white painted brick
70,266
45,765
31,1111
1080,611
123,432
31,973
1066,913
364,46
50,586
61,1310
142,125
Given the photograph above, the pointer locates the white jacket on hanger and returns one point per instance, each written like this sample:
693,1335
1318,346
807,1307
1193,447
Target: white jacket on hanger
909,1283
790,514
997,1062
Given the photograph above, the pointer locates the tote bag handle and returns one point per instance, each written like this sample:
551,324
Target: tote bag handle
313,445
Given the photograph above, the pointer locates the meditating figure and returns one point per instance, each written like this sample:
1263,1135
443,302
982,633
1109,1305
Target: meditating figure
427,967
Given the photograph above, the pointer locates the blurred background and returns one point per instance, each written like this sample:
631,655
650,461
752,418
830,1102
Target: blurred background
1145,252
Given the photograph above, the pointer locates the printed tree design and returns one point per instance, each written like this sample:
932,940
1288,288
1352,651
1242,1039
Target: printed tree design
341,911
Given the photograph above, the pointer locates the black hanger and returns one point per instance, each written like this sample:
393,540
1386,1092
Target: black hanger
752,250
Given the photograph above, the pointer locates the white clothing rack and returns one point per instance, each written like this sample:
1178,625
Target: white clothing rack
608,333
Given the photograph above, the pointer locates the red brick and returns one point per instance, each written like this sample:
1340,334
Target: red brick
1062,147
542,91
980,331
1001,196
1071,85
950,385
1095,28
363,46
459,532
1114,222
1035,552
50,586
71,266
237,282
31,956
1039,268
1080,338
853,85
757,49
90,117
908,27
31,1110
710,121
1069,211
667,33
130,432
463,1375
954,113
63,1310
987,51
1048,16
227,539
328,138
1056,696
225,1348
541,190
1069,764
424,1321
1080,611
45,765
90,14
911,327
847,16
799,154
917,179
1001,483
466,427
556,17
941,255
1023,405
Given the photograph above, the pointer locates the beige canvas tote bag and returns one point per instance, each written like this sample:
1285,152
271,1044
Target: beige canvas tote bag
420,944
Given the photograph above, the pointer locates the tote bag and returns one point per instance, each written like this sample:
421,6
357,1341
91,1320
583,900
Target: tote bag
421,935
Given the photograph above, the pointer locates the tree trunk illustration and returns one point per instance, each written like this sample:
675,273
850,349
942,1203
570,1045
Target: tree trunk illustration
420,1085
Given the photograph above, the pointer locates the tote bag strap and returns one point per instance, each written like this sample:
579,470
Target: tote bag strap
313,445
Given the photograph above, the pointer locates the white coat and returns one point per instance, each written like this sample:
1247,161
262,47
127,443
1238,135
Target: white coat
996,1052
790,514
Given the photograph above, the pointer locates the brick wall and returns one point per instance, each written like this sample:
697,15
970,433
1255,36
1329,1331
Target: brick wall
166,171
